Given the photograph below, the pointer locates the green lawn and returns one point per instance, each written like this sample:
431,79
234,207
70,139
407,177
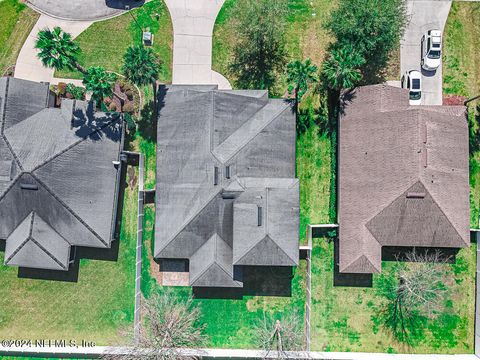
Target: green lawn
99,307
305,36
105,42
461,76
347,318
16,22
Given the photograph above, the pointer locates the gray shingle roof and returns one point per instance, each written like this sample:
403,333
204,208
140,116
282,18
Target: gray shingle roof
61,174
403,176
208,141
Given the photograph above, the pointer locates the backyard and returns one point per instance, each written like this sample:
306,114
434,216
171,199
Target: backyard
16,22
97,307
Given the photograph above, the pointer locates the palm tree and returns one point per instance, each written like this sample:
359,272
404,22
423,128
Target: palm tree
99,82
299,76
141,66
57,49
341,70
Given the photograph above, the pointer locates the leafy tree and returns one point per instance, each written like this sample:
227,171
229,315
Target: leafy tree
300,75
99,82
260,50
141,66
57,49
341,70
76,91
373,28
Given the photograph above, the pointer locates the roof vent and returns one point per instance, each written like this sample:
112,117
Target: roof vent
215,175
259,215
416,195
26,186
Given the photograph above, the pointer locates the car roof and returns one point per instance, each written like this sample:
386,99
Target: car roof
415,74
435,33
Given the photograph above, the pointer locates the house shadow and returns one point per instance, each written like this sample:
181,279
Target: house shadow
257,281
348,279
78,252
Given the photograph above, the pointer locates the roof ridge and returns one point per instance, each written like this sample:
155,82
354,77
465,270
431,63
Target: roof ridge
250,139
362,255
47,252
69,209
258,242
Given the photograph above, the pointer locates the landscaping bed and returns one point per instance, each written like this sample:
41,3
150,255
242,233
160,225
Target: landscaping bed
104,43
16,22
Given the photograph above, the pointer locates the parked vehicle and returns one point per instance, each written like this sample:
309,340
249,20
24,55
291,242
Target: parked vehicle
412,80
431,50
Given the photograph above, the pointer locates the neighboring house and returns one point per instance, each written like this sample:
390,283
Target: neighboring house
403,176
59,176
226,194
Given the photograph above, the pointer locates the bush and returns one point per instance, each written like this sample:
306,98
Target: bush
75,92
61,88
128,108
131,125
112,107
129,94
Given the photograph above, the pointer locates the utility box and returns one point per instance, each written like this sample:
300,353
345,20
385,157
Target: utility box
147,38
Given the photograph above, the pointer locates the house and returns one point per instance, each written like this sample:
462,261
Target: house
226,193
403,176
59,176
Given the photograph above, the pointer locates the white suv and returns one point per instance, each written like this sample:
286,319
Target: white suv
431,50
412,80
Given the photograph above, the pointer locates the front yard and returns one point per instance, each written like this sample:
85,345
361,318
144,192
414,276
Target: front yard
16,22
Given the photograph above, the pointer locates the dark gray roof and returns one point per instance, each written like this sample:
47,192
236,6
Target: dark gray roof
55,167
208,142
403,176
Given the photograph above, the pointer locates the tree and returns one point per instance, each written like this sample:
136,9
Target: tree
417,295
57,49
373,28
341,70
300,75
170,324
260,50
141,66
99,82
281,335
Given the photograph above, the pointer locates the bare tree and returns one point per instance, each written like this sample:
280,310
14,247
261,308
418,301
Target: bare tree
417,295
279,336
170,324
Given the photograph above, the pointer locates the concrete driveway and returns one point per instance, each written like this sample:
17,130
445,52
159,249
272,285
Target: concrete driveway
423,15
193,22
82,10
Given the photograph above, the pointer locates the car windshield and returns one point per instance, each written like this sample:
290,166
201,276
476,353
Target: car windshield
415,95
434,54
415,84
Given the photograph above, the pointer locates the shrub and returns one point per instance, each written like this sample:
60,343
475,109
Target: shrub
128,108
112,107
131,125
129,94
75,92
61,88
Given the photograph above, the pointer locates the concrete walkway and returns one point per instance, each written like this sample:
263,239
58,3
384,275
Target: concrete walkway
82,10
29,67
193,22
423,15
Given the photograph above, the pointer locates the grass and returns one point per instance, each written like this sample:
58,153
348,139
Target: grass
348,318
461,76
305,35
16,22
96,308
105,42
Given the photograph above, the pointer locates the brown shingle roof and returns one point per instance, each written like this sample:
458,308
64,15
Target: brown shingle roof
403,176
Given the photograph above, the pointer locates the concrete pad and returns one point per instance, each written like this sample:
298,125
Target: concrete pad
422,16
193,22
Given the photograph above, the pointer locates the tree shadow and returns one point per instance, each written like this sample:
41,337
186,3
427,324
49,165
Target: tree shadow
149,116
96,125
400,253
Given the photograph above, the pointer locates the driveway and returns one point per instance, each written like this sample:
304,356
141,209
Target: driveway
82,10
423,15
193,22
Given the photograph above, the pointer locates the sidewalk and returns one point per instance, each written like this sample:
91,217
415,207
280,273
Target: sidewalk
29,67
193,22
